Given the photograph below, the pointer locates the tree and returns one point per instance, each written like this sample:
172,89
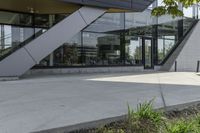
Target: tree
171,7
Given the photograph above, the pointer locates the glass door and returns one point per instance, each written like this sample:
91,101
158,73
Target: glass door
147,53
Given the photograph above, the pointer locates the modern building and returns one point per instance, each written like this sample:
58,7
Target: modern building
66,36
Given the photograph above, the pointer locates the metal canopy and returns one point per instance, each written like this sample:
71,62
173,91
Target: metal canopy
133,5
69,6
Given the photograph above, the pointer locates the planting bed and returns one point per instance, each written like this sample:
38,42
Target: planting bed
178,120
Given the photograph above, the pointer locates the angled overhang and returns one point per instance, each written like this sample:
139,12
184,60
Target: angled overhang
69,6
133,5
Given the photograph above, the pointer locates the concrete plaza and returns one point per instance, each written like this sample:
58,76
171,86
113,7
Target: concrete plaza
46,102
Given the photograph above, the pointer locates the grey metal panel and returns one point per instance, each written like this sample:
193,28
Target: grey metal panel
140,5
134,5
111,3
20,61
89,14
25,58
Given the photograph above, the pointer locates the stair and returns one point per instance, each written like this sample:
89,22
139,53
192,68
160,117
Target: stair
30,54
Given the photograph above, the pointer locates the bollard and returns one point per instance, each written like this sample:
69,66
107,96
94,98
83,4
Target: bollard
175,66
198,64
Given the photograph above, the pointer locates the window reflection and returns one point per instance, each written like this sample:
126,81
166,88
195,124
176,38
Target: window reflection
167,38
101,49
188,12
13,35
198,11
133,50
165,44
138,19
41,20
148,53
69,54
113,39
15,18
160,2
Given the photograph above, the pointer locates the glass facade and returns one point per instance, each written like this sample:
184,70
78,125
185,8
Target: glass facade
167,36
133,50
11,36
17,28
101,49
115,39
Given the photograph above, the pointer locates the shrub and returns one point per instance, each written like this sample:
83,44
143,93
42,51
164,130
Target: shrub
180,126
144,120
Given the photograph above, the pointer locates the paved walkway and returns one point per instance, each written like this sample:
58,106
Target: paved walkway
39,103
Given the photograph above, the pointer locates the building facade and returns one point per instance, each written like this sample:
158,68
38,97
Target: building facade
115,38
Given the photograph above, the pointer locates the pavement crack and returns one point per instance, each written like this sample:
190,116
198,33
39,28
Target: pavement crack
161,92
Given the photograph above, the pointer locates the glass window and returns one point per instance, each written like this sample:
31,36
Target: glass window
169,45
107,23
161,50
165,45
15,18
59,17
148,53
41,20
187,23
133,50
70,53
7,37
167,38
198,11
138,19
25,19
20,34
12,36
101,49
188,12
160,2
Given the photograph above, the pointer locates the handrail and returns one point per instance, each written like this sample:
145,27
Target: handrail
178,43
